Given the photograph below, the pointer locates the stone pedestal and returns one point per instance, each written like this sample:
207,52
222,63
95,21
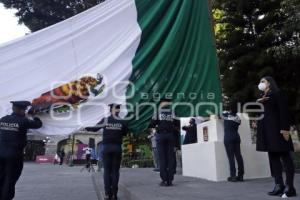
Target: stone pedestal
207,159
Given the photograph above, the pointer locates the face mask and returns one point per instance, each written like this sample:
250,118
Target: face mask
262,86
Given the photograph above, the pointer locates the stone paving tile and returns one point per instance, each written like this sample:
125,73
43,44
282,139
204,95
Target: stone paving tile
143,184
49,182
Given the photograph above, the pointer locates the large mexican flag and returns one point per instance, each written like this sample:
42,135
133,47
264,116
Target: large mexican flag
131,52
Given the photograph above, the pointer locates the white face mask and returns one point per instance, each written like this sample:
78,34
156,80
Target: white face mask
262,86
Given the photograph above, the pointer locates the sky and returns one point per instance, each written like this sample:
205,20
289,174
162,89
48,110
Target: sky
9,27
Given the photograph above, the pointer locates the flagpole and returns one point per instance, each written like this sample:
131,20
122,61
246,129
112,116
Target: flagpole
213,33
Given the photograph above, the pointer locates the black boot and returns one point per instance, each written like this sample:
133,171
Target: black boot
169,183
107,197
163,184
114,197
240,178
278,190
289,192
232,179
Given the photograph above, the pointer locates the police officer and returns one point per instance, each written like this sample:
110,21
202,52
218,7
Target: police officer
232,142
165,123
13,135
114,128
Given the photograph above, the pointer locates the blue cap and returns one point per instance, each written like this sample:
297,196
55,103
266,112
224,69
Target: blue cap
21,104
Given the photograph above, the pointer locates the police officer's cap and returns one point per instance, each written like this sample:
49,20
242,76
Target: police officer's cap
21,104
114,105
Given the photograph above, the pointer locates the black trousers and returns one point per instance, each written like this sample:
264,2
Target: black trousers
165,147
88,160
61,160
276,160
233,150
175,162
10,172
112,154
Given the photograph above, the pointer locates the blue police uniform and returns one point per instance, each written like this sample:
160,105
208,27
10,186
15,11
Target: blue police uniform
13,138
166,125
232,143
113,131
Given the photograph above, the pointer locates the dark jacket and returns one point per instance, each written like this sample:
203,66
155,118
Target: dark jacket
276,118
231,126
191,134
164,121
113,129
13,134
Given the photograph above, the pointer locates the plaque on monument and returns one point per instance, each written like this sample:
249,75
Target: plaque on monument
205,134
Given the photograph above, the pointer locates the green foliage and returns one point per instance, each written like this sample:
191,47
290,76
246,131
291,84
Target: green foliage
256,38
126,142
145,150
143,163
141,155
38,14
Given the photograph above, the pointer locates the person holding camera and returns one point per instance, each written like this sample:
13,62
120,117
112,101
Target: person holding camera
191,132
13,139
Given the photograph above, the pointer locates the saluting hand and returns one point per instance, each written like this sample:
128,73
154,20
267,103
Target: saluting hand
285,134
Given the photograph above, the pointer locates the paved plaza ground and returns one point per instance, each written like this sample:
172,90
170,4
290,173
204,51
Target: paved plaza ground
54,182
48,182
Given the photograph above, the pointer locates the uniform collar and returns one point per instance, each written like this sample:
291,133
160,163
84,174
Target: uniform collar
115,117
17,114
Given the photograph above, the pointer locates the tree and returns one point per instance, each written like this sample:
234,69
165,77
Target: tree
38,14
256,38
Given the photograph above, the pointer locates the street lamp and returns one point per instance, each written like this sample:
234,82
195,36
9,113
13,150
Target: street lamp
46,141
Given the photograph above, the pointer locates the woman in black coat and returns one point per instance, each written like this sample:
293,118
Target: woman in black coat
273,136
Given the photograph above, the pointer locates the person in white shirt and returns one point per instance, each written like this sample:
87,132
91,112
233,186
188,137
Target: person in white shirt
88,153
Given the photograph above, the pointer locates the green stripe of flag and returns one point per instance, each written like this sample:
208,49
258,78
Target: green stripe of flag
176,55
